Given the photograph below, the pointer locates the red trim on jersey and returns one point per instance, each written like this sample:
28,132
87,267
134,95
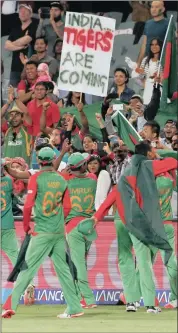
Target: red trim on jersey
120,207
106,205
66,203
30,201
73,223
161,166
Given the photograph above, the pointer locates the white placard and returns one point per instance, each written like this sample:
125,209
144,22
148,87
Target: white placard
86,53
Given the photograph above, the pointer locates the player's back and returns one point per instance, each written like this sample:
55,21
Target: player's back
82,192
7,220
48,208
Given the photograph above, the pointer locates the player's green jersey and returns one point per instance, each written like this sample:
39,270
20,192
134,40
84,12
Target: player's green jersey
48,188
82,196
7,219
165,187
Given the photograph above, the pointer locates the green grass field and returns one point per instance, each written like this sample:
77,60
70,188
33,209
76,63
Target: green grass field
102,319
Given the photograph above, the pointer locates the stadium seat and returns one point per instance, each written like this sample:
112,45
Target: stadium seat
132,52
135,86
129,18
121,44
126,25
115,15
119,61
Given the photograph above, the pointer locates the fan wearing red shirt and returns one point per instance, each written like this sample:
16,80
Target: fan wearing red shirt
35,108
24,87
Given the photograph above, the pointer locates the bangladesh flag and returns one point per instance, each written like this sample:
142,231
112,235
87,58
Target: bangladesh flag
168,109
125,130
137,190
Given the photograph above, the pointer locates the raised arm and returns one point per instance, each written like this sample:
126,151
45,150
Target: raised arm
24,109
29,202
43,128
83,118
65,148
40,30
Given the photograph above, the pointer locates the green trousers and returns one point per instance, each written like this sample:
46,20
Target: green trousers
9,244
172,263
39,248
79,248
134,287
126,262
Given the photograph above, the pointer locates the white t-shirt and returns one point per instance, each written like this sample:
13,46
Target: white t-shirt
61,167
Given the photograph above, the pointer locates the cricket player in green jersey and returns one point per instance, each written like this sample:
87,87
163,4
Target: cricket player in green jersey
82,190
45,193
8,235
9,242
142,284
165,184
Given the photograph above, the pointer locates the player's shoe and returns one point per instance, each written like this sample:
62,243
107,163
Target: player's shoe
153,309
69,316
29,296
84,305
130,307
171,305
8,313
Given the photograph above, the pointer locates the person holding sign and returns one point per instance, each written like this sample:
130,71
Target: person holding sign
87,39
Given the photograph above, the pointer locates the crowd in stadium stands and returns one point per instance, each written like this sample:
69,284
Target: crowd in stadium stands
30,111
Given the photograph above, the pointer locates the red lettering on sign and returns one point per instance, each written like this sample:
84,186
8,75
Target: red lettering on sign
90,39
97,40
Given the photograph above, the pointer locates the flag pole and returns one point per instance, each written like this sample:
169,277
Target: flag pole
164,43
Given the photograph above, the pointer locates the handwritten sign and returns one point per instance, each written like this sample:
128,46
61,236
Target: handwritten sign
86,53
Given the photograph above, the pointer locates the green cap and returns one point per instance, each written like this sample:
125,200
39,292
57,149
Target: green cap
86,227
76,160
46,155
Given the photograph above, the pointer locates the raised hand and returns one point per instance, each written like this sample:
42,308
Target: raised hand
66,146
11,94
23,58
109,111
46,106
80,107
98,117
70,122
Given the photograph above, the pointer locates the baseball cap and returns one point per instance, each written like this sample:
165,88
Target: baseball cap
86,228
137,96
15,109
171,121
76,160
46,155
56,4
26,6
